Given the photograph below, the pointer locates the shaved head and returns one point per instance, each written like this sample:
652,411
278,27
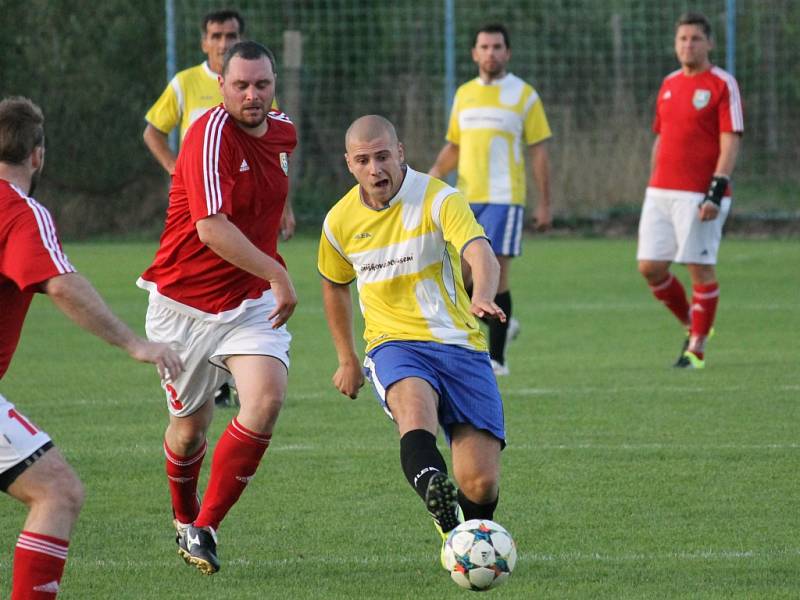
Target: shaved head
368,128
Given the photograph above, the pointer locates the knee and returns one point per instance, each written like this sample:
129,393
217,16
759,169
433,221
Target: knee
652,273
63,495
184,441
261,412
480,488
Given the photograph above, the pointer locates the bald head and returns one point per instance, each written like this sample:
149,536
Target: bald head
368,128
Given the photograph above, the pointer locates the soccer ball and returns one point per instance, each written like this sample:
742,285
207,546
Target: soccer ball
479,555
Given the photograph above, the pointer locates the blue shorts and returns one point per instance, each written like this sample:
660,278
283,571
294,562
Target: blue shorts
462,378
503,226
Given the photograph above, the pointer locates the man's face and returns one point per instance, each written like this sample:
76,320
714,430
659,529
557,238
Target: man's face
491,54
692,46
248,89
377,165
217,39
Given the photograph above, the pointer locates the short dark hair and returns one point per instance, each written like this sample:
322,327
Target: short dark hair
492,28
21,129
248,50
695,18
220,16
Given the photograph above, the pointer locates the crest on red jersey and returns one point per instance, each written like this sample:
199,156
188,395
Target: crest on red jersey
701,98
285,163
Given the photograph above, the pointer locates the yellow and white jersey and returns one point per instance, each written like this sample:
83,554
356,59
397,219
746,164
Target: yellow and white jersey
190,93
407,262
492,125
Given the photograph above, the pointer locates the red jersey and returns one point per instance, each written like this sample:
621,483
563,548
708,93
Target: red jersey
221,169
30,254
691,113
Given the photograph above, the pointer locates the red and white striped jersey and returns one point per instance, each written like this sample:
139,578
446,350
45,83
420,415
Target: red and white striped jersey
691,113
30,254
221,169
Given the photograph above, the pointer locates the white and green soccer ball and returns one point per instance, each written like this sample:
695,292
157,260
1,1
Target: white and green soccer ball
479,555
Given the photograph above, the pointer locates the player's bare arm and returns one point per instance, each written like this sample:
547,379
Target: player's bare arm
75,297
485,270
158,144
348,378
729,144
540,164
228,241
446,161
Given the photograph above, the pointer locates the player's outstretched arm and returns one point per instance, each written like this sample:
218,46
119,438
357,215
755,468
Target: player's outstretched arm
228,241
348,378
446,161
75,297
485,277
158,144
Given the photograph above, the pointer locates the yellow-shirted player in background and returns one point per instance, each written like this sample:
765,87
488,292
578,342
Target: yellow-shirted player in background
497,122
192,91
402,236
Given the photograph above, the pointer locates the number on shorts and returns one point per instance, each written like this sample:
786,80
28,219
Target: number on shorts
13,414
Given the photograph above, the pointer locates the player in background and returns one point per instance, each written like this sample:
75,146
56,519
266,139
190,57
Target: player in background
401,235
218,286
191,93
698,126
497,121
32,470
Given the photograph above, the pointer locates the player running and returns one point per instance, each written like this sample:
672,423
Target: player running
218,285
698,126
32,261
401,235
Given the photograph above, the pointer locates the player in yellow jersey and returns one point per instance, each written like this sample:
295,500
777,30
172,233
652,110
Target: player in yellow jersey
192,91
497,121
401,235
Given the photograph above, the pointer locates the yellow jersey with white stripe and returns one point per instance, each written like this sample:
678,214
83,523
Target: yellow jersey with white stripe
492,123
190,93
406,259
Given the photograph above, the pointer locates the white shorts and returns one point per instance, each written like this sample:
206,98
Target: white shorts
205,345
20,440
670,228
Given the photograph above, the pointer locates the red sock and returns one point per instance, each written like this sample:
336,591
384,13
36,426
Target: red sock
38,565
704,308
236,459
671,293
183,473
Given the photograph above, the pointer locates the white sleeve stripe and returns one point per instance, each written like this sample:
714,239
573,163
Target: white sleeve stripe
211,146
530,102
47,232
332,240
736,114
436,204
176,87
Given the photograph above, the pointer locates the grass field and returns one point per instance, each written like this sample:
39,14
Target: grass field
623,478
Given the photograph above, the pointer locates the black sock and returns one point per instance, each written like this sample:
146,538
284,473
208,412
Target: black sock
498,332
420,459
476,511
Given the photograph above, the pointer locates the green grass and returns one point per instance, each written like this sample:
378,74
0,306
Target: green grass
623,478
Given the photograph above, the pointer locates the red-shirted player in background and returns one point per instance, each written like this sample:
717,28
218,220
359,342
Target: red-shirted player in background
698,126
218,286
32,470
